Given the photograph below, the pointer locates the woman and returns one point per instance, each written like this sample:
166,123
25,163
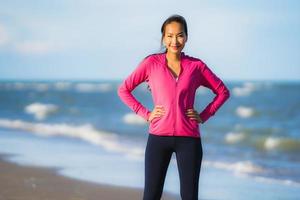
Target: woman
173,78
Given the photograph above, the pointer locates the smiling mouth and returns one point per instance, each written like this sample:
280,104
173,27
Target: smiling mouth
175,47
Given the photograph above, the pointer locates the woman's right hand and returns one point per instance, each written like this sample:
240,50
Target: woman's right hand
158,111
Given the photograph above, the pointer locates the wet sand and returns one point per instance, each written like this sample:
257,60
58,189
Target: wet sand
37,183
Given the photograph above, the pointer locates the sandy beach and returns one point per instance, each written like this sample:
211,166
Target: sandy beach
34,183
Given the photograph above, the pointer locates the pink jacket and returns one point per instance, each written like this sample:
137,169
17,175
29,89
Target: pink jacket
176,96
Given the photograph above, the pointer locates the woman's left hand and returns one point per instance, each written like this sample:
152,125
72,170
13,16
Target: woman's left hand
193,114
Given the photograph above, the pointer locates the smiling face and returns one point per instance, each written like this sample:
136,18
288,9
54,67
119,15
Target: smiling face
174,37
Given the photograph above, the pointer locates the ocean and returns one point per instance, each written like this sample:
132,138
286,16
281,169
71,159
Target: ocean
85,130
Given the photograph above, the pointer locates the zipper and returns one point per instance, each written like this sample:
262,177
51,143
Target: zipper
175,106
176,85
176,81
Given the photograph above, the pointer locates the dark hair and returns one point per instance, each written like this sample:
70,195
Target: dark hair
173,18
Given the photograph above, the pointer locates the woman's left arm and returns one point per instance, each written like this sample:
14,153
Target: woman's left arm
213,82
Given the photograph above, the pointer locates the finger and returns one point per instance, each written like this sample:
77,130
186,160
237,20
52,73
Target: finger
190,117
159,111
190,110
157,116
191,114
194,117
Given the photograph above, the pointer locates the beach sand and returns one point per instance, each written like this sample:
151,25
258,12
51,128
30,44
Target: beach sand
36,183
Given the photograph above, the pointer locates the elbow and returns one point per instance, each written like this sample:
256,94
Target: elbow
226,93
120,90
123,90
223,91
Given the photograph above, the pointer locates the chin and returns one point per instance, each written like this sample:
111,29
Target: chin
175,51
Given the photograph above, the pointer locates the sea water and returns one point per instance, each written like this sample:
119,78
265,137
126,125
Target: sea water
83,129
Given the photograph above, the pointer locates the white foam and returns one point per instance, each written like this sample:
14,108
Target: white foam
19,86
282,143
272,143
41,86
132,118
27,85
16,86
105,87
39,110
86,132
93,87
234,137
244,112
246,167
272,180
245,90
62,85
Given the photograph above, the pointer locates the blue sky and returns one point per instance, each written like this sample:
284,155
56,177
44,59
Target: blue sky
106,39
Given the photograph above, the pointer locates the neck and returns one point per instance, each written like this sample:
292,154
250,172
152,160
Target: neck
173,56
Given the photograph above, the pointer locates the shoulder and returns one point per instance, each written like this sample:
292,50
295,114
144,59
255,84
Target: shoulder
147,63
195,61
153,58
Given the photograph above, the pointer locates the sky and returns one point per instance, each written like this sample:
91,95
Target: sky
106,39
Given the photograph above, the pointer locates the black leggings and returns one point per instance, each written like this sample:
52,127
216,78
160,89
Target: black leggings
158,153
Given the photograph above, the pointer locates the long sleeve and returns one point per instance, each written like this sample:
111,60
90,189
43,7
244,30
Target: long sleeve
139,75
211,81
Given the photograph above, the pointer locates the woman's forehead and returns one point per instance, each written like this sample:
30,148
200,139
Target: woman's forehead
174,28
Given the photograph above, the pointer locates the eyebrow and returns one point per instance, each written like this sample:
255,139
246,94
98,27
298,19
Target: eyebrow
176,34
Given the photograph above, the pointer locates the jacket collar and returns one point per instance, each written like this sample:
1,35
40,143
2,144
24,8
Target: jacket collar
164,58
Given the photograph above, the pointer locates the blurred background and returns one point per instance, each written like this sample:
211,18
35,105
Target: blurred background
62,61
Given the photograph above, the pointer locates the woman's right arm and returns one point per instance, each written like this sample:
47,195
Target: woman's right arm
139,75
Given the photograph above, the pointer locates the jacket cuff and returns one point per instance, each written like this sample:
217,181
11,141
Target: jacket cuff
144,113
204,116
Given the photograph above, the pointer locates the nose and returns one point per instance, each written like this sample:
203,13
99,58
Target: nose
174,40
